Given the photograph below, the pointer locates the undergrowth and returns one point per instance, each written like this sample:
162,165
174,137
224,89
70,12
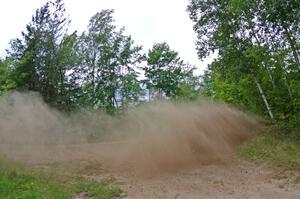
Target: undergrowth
279,145
18,182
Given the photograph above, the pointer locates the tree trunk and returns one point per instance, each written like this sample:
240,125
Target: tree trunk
93,75
269,74
287,84
149,97
262,94
263,63
293,45
62,86
115,102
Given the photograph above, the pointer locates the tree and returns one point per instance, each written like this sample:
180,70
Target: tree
67,65
166,75
109,62
254,49
36,54
6,81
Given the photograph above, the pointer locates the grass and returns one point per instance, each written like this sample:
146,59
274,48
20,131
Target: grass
17,182
91,189
275,146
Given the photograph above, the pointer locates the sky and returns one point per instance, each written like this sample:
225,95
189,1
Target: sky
147,21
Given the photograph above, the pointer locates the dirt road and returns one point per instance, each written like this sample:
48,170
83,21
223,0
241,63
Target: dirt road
231,178
159,150
235,180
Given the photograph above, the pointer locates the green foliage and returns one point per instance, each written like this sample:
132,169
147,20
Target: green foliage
258,54
17,182
97,69
39,57
94,190
6,81
109,61
166,75
274,147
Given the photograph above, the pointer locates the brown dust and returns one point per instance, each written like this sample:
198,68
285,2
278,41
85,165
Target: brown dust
160,136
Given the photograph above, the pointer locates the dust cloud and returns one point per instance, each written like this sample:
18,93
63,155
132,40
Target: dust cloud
160,136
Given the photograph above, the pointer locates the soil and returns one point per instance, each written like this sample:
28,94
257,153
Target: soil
227,178
164,149
239,179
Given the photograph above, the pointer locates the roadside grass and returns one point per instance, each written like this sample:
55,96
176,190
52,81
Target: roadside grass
278,146
93,189
18,182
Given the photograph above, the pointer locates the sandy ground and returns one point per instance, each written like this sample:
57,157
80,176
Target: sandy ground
175,150
232,178
236,180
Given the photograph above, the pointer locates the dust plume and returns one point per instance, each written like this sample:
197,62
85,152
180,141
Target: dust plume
26,120
160,136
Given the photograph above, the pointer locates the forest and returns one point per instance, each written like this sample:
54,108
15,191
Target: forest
92,114
101,68
257,66
258,54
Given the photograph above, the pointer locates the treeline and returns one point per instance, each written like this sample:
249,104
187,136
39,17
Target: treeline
257,42
101,68
257,66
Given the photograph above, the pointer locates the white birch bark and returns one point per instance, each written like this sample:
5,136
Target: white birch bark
262,94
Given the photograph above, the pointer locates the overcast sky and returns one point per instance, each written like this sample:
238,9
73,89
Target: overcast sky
147,21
